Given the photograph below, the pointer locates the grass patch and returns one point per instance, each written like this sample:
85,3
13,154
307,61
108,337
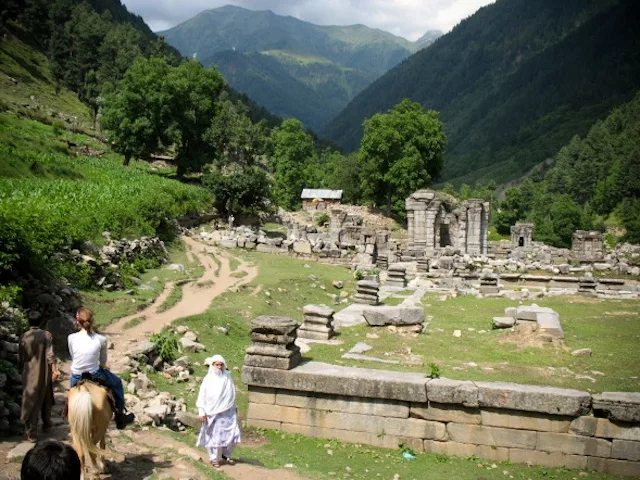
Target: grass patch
174,297
205,284
609,327
322,459
133,322
234,263
240,274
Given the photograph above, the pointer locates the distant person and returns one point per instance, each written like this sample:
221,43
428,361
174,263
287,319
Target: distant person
220,431
51,460
231,220
37,363
89,355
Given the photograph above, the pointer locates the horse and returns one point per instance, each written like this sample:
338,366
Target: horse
90,412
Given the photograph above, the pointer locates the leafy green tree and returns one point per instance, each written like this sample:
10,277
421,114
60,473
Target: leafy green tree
193,92
137,114
509,211
246,190
121,45
292,150
556,225
236,179
402,151
630,215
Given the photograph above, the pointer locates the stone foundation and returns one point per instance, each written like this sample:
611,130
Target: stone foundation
497,421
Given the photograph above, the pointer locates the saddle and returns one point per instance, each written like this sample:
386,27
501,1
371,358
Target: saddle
87,377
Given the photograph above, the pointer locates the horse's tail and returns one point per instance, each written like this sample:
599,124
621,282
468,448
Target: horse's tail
80,419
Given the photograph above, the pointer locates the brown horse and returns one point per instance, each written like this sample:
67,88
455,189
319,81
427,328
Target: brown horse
89,415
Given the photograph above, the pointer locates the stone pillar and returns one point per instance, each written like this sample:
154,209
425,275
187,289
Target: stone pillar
396,276
410,228
474,224
382,261
273,343
318,322
367,292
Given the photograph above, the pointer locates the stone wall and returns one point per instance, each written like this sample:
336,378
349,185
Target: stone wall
587,246
497,421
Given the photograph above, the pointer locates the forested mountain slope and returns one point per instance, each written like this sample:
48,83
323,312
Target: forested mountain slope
292,67
513,83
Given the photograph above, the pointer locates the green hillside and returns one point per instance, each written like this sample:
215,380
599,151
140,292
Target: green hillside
513,83
311,89
293,68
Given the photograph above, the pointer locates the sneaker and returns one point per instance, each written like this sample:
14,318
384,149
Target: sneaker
124,419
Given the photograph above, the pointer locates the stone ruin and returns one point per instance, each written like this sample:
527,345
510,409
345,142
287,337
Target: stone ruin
367,292
397,276
435,221
521,234
318,323
273,343
587,246
546,319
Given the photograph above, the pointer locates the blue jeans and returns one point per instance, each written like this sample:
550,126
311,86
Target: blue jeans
112,381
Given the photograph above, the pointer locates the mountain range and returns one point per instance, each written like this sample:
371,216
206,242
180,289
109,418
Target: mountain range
293,68
513,83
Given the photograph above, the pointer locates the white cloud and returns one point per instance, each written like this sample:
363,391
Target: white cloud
406,18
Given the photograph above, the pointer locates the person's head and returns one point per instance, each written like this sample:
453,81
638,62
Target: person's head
34,319
216,364
51,460
84,317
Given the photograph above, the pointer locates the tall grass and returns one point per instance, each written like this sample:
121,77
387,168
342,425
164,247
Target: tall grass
51,198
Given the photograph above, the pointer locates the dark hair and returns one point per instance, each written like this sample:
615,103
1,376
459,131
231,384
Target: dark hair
51,460
34,320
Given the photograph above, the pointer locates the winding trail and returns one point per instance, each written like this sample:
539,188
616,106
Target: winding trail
196,299
149,452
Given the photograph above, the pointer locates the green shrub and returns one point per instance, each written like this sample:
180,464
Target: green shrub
166,344
322,219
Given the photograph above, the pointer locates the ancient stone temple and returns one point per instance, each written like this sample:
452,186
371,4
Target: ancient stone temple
521,235
587,246
435,221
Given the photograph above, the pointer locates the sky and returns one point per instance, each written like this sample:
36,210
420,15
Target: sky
405,18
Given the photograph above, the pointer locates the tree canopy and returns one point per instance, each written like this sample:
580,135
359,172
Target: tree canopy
402,151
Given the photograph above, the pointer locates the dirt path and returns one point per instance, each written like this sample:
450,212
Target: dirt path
196,298
144,453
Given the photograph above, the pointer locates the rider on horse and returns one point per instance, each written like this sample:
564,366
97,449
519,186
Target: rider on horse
89,355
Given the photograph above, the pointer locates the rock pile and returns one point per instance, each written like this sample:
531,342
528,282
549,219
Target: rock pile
397,276
273,343
318,322
367,292
150,406
103,261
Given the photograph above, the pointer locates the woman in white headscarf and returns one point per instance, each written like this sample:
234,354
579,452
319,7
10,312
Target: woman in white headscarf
220,431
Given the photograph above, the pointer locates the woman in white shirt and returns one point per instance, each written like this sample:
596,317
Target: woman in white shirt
89,355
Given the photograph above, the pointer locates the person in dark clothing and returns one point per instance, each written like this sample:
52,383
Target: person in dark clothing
51,460
37,363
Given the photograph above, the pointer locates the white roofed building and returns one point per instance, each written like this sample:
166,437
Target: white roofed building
320,199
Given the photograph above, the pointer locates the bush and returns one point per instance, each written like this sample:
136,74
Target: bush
322,219
166,344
